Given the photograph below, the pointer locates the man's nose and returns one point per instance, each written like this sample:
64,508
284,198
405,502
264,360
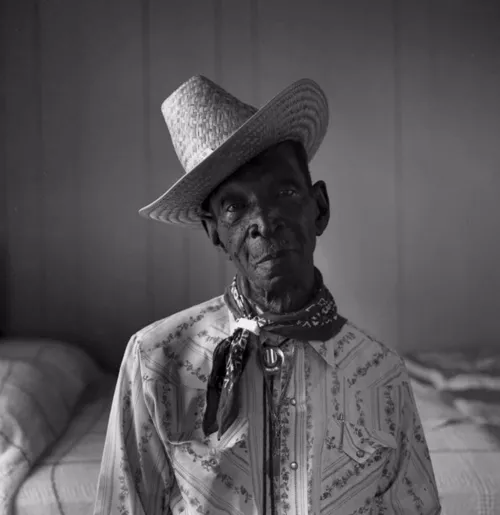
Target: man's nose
265,222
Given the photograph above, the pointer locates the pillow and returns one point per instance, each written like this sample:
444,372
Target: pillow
467,380
41,382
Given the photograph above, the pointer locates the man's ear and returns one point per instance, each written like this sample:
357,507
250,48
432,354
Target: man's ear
210,227
320,194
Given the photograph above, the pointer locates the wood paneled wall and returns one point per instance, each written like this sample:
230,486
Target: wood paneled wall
412,159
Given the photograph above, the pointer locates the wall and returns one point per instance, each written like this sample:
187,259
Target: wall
411,159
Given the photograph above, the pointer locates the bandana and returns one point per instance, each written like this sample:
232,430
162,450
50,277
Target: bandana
317,320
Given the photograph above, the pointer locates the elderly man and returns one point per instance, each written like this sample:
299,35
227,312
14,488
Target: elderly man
264,400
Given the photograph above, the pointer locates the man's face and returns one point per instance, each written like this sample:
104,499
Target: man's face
267,218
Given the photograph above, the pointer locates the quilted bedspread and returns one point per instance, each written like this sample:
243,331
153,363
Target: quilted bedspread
64,481
465,456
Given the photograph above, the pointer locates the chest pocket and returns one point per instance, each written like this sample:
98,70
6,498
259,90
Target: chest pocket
351,449
184,408
352,466
362,444
355,429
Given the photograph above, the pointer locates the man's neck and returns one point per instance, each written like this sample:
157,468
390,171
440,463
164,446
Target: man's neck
288,300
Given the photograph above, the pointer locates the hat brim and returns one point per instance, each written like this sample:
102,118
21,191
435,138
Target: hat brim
299,112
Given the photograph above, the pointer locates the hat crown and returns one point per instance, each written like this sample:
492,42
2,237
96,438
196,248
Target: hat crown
200,116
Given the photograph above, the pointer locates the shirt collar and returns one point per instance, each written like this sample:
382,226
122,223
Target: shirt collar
326,350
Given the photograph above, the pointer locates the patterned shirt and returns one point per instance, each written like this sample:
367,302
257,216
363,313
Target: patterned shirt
351,443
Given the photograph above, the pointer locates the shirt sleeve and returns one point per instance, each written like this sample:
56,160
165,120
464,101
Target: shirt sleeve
135,476
411,487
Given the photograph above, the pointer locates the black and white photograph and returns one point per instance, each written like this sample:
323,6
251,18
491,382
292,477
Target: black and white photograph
249,257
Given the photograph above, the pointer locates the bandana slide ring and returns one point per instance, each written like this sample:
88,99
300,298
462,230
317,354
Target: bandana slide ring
272,359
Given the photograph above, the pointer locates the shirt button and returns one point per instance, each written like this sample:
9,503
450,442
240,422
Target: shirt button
213,462
213,451
293,402
293,465
360,454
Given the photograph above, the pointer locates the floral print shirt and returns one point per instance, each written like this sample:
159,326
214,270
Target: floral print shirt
351,442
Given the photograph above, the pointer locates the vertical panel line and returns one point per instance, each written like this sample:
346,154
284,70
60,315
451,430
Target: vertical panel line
398,178
217,40
146,107
219,78
4,221
254,30
39,252
80,308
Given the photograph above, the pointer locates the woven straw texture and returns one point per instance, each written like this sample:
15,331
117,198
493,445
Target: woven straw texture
214,133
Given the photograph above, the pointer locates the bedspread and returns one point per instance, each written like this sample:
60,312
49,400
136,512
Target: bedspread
64,481
465,456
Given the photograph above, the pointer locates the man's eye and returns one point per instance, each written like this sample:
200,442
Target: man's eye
231,208
287,193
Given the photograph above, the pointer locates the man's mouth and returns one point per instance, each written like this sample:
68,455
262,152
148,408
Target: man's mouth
273,256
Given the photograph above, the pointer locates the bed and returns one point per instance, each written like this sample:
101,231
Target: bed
54,471
458,397
54,408
64,481
466,459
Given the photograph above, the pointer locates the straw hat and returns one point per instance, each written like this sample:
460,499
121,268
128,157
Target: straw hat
214,133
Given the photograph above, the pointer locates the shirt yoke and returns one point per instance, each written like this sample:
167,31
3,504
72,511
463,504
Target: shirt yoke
364,362
180,347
